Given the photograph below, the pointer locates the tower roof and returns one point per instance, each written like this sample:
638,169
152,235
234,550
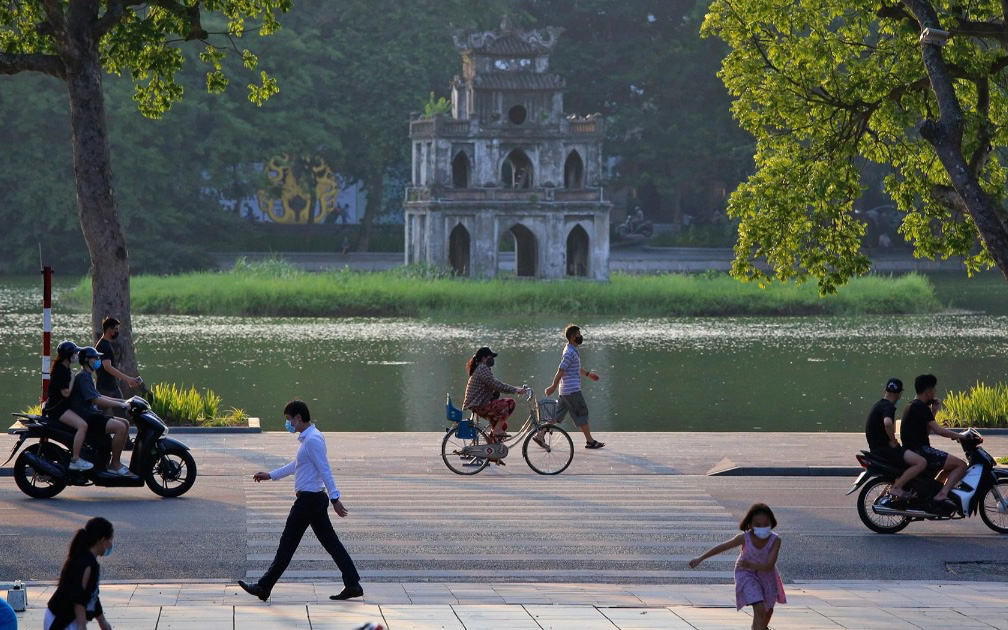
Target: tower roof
507,42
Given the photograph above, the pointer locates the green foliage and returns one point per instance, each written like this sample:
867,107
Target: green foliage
827,89
982,406
436,107
33,410
177,405
425,290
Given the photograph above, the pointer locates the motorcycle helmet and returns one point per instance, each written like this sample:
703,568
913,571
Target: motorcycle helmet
66,350
87,354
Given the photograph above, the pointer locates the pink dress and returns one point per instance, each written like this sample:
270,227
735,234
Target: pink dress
751,586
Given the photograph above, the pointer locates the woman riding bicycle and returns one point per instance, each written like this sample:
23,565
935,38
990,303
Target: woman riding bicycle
483,392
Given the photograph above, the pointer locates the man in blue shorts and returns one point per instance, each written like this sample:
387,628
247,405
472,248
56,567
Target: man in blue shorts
568,377
919,422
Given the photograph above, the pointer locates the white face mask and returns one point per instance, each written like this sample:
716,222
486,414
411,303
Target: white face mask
762,532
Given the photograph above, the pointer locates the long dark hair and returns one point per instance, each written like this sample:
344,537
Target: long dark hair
757,508
93,531
471,365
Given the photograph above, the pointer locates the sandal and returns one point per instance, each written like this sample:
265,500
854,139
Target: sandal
594,444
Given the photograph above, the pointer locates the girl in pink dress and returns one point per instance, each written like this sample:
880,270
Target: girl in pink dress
757,582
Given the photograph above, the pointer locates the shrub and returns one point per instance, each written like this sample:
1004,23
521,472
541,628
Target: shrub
982,406
177,405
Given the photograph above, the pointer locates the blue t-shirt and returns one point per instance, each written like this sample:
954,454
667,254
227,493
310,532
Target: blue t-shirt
83,394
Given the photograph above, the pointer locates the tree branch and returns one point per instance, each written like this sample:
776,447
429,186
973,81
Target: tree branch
113,15
192,14
11,63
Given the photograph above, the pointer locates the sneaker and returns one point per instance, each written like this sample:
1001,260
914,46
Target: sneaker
122,471
80,464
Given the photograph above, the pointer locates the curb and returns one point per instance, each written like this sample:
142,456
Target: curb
787,471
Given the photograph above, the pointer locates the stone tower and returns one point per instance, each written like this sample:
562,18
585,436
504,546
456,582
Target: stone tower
509,167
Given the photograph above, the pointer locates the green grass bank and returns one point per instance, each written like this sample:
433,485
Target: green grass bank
276,289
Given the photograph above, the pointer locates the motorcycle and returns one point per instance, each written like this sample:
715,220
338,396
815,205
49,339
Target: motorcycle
42,469
983,489
643,228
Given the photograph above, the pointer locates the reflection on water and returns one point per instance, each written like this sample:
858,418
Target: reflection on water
706,374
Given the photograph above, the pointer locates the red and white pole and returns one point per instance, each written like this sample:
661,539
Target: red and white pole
46,329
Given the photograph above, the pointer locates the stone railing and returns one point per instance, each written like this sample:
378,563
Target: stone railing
530,195
438,126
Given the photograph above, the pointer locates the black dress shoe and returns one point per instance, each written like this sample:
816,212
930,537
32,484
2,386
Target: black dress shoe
349,592
253,589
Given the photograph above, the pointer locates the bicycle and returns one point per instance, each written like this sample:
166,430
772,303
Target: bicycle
467,448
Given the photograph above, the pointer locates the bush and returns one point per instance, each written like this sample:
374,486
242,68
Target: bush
982,406
177,405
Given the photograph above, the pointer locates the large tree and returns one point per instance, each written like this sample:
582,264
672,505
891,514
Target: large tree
77,42
830,86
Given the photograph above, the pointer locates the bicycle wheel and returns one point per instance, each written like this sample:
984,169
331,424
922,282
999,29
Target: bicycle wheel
553,454
453,452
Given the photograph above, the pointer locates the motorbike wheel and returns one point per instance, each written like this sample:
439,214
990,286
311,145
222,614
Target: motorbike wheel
994,508
621,230
34,483
647,231
453,452
552,460
173,473
881,523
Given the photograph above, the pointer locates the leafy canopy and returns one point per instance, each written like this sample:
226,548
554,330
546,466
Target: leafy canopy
142,39
830,86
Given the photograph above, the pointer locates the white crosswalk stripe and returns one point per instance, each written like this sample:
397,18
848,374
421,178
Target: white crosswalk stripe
590,528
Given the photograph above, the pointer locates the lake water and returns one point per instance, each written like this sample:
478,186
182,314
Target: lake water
661,374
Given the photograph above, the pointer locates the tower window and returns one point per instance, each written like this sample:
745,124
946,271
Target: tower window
517,115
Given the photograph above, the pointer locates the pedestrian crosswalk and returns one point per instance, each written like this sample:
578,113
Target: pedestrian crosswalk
588,528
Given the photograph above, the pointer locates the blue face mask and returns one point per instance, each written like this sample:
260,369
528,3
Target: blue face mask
96,364
290,427
109,550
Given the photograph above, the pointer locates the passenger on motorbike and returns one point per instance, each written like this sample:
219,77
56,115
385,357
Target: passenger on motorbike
483,392
85,400
57,403
918,422
880,431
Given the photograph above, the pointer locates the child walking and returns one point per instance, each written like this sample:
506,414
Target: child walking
757,582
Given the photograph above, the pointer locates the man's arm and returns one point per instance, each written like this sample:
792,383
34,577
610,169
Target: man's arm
555,383
890,429
114,371
938,429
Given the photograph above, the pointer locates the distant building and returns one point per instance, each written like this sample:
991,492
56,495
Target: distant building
508,163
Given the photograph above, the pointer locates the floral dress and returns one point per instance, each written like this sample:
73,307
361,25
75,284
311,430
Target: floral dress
752,587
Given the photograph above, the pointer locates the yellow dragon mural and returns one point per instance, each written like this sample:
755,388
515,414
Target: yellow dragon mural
288,199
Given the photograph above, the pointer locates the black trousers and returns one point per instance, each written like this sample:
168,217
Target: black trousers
309,509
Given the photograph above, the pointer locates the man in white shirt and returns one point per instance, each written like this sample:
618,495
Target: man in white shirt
312,477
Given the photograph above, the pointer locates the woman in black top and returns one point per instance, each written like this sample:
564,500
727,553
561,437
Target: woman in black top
57,404
75,601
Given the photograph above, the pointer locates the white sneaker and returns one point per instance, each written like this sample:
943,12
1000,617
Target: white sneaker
80,464
122,471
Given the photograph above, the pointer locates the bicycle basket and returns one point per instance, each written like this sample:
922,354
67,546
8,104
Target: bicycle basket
547,409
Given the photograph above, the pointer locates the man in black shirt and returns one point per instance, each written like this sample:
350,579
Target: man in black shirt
108,374
918,422
880,430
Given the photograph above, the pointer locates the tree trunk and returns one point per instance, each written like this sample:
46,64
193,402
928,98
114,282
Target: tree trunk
375,191
96,205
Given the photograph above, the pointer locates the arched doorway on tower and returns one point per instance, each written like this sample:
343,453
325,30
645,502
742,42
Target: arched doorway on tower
578,252
523,242
458,250
574,171
517,171
460,170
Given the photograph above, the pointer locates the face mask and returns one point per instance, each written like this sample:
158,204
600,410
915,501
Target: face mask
490,362
290,427
96,364
115,335
110,548
762,532
579,340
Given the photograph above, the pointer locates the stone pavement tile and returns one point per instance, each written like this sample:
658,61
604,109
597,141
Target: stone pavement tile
235,596
475,594
155,595
421,617
496,616
940,618
198,594
343,615
128,618
713,618
111,594
788,617
382,592
285,616
645,619
658,595
192,617
863,618
709,595
295,593
998,620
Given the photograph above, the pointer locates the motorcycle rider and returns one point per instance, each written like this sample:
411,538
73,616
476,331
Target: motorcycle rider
85,401
880,431
918,422
57,404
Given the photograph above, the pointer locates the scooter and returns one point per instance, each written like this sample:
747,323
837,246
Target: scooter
42,469
644,228
984,489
